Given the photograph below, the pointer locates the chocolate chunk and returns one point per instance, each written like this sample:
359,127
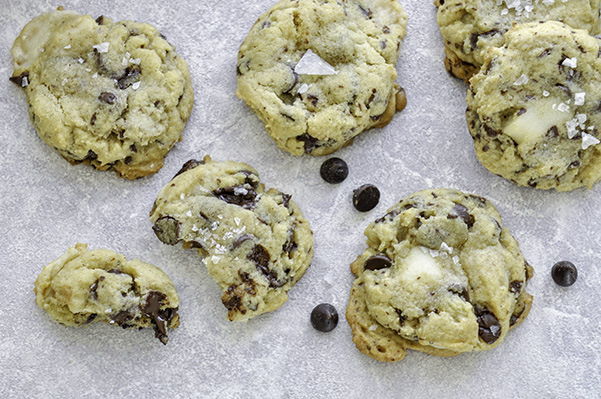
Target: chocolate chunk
490,131
564,273
401,99
122,318
100,20
489,329
286,199
129,77
371,98
545,53
230,301
515,287
239,195
21,80
366,197
460,291
313,99
261,257
553,132
241,240
128,159
152,309
392,214
309,141
377,262
166,229
402,317
91,318
107,97
334,170
94,288
290,245
324,317
461,212
91,156
475,37
191,164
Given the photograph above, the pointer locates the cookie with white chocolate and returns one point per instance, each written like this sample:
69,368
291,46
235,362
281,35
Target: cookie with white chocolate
533,109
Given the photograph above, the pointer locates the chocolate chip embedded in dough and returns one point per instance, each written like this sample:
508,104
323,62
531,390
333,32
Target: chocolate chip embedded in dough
166,229
489,328
377,262
107,97
460,211
191,164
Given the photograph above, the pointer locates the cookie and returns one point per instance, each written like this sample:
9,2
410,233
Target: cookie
85,286
255,242
111,94
533,109
470,27
440,275
320,72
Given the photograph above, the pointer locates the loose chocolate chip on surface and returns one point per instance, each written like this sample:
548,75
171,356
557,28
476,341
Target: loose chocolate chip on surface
324,317
334,170
377,262
286,199
489,329
366,197
460,211
240,195
107,97
260,256
21,80
564,273
191,164
401,99
166,229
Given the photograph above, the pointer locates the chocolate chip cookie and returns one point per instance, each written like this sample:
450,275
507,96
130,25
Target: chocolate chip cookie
320,72
470,27
533,110
112,94
440,275
84,286
255,242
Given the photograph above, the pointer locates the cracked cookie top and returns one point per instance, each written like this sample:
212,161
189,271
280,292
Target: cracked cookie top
470,27
112,94
440,275
255,242
533,110
84,286
318,73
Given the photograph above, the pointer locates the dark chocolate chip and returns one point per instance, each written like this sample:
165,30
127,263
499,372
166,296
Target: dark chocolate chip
366,197
100,20
366,11
489,328
324,317
152,309
21,80
191,164
91,318
107,97
261,257
392,214
313,99
553,132
94,288
122,318
377,262
564,273
334,170
240,196
515,287
402,317
129,77
128,159
461,212
286,199
166,229
91,156
310,142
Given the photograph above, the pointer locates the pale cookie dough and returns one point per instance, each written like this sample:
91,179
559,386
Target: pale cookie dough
470,27
440,275
84,286
255,242
111,94
534,109
320,72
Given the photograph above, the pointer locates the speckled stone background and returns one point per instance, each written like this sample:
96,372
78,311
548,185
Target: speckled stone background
46,205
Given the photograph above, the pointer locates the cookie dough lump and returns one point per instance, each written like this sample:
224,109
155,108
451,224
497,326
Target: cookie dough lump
470,27
320,72
85,286
533,110
112,94
255,242
440,275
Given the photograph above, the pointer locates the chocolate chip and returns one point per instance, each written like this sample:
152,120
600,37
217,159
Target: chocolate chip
129,77
121,318
128,159
476,36
324,317
309,141
392,214
377,262
489,329
402,317
334,170
166,229
545,53
94,288
521,111
460,291
366,197
21,80
91,318
91,156
100,20
286,199
461,212
515,287
564,273
490,131
107,97
191,164
239,195
260,256
152,309
241,240
115,271
553,132
313,99
230,301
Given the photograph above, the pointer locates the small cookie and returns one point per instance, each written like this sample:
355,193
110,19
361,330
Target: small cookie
256,243
533,110
470,27
85,286
111,94
320,72
440,275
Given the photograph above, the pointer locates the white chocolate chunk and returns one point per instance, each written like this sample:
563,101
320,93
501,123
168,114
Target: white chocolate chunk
419,263
312,64
531,126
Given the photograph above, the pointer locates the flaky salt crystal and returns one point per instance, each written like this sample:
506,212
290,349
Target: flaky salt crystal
589,140
570,62
522,80
579,98
102,47
303,88
312,64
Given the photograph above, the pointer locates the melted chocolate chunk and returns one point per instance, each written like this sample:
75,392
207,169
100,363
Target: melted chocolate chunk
489,328
129,77
309,141
160,318
191,164
490,131
230,300
107,97
166,229
377,262
290,245
240,195
261,257
122,318
461,212
21,80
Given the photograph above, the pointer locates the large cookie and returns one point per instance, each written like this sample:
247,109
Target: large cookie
320,72
440,275
255,242
114,95
533,110
470,27
84,286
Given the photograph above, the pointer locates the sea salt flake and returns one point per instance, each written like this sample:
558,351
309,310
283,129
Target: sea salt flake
373,327
25,81
589,140
102,47
563,107
581,118
80,60
136,85
67,47
572,127
570,62
455,259
303,88
579,98
546,93
135,61
189,213
522,80
444,247
312,64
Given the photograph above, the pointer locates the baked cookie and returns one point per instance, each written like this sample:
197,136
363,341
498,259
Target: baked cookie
85,286
470,27
533,109
319,72
111,94
256,243
440,275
